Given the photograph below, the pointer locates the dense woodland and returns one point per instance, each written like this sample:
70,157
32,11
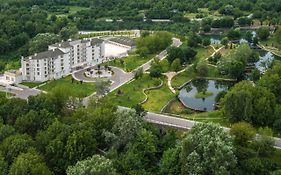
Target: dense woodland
45,136
22,20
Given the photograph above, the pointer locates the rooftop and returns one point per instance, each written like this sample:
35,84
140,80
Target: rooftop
95,41
13,72
46,54
124,40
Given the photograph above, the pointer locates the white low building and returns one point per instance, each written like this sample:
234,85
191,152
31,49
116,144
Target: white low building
12,77
63,58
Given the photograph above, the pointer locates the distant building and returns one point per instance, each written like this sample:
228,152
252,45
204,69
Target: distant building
13,77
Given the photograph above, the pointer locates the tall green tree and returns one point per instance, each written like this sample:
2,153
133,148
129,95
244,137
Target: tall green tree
30,163
96,165
207,149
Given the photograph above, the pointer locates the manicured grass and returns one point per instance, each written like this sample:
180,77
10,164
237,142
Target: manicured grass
132,92
76,89
184,77
158,98
130,62
176,107
212,116
203,94
203,53
31,84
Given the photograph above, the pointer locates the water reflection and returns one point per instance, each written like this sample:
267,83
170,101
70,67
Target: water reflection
188,93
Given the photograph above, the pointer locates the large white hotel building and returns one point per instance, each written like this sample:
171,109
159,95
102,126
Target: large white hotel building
63,58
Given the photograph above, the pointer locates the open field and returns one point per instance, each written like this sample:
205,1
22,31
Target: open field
76,89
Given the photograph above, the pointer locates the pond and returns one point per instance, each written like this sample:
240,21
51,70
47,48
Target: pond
200,94
265,59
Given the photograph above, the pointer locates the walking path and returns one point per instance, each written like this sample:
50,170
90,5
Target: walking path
171,75
120,77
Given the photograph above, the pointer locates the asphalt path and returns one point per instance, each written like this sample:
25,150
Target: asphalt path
179,123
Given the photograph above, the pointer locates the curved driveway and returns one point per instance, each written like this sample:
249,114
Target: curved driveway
120,77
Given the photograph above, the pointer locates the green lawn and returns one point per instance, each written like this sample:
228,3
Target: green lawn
184,77
176,107
132,93
71,10
158,98
130,62
75,89
212,116
31,84
203,53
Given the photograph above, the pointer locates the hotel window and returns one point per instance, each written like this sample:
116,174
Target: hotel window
38,73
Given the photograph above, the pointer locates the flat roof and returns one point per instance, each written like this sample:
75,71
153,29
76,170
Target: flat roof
46,54
124,40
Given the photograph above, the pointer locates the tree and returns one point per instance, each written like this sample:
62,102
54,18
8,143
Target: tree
277,36
249,36
263,33
141,154
33,121
224,41
3,166
140,110
237,103
236,69
176,65
206,42
170,161
174,53
29,163
126,127
41,41
102,87
96,165
255,75
243,133
204,147
14,145
202,69
6,131
252,104
194,40
264,142
233,34
69,32
138,73
155,71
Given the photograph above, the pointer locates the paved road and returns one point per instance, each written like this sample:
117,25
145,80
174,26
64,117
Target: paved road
22,93
120,77
166,120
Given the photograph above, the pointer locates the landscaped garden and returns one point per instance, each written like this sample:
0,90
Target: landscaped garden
158,98
73,87
131,93
130,62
